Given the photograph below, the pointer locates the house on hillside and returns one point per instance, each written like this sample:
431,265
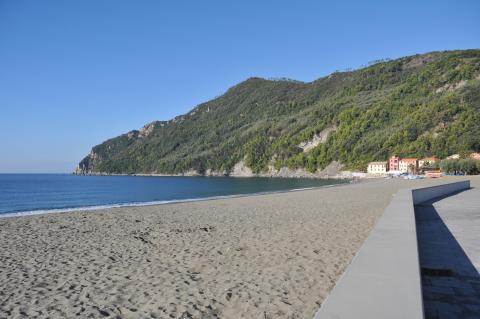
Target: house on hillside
377,168
427,161
454,156
475,156
394,163
408,165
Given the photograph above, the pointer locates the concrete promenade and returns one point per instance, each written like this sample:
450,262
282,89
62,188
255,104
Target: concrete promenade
386,279
448,231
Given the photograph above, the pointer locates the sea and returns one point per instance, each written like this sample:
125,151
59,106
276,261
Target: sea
27,194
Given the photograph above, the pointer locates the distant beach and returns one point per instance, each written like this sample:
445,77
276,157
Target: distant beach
267,256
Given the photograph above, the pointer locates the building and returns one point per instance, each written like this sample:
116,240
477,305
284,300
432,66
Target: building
377,168
433,174
454,156
394,163
427,161
475,156
408,165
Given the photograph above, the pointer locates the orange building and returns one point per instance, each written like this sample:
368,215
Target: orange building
475,156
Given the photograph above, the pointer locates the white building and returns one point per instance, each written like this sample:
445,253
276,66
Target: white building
408,165
454,156
377,168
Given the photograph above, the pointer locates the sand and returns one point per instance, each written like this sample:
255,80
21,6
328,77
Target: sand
268,256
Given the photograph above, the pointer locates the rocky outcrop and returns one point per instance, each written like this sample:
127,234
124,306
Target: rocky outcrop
334,170
211,172
87,166
331,171
147,129
451,87
317,139
241,170
419,60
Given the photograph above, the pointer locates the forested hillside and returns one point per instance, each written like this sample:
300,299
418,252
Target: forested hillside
420,105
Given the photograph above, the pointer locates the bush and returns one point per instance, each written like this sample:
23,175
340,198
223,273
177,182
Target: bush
460,166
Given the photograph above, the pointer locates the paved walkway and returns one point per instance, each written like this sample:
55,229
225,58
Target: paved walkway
448,233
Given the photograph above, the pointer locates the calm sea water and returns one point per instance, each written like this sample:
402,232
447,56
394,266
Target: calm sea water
38,193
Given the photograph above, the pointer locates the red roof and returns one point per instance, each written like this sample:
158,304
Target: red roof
475,156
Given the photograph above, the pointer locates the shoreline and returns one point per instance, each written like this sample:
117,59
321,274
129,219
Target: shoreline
323,177
240,170
156,203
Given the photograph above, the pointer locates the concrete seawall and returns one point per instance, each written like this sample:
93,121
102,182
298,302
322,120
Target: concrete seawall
421,195
383,280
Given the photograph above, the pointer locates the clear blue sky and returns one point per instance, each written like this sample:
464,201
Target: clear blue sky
74,73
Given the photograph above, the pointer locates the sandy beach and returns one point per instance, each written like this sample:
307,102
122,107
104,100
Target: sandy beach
268,256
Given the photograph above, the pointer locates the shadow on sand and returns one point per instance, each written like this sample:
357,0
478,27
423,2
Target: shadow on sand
450,282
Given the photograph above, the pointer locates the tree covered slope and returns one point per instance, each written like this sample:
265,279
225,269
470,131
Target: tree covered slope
420,105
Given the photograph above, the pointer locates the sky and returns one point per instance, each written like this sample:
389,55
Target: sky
75,73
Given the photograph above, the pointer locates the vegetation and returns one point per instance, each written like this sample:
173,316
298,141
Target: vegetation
422,105
430,166
460,166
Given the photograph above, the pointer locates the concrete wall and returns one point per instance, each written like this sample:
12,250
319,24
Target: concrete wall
383,280
421,195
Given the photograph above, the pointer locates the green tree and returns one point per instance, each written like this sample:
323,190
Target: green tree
257,155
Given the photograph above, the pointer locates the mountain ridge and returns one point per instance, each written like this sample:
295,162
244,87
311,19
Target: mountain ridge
426,104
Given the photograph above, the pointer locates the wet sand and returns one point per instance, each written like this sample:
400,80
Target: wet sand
268,256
